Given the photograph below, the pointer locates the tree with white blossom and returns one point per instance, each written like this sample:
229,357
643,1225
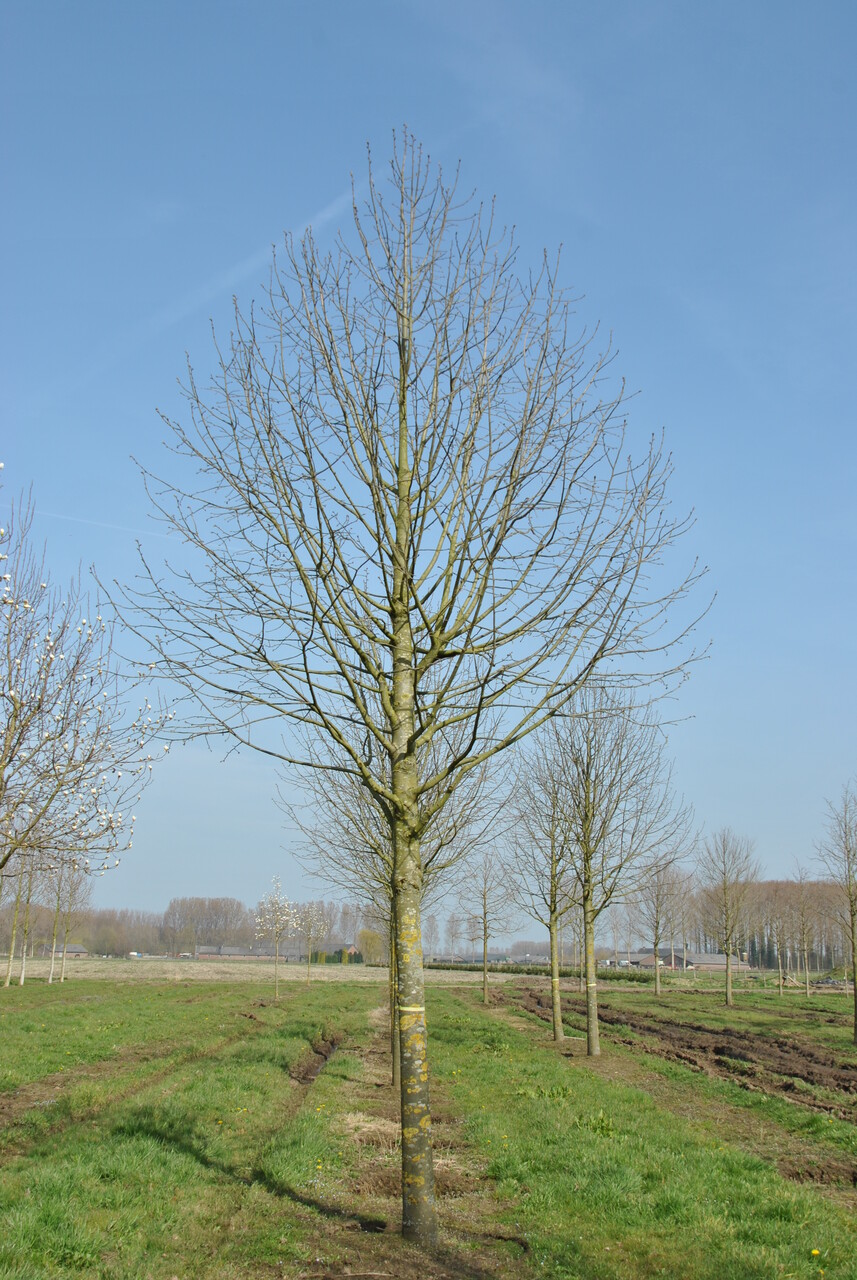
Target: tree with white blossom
72,763
275,918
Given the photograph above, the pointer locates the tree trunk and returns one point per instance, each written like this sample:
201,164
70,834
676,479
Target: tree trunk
593,1047
395,1046
806,971
26,936
581,956
484,953
64,954
854,966
419,1216
12,940
556,1004
55,929
419,1213
779,971
729,976
276,966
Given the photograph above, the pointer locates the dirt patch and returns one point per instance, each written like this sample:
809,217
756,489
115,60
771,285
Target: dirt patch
792,1068
829,1171
367,1242
308,1065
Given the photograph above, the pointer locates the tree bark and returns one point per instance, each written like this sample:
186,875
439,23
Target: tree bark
484,952
728,976
556,1003
395,1046
12,940
593,1047
419,1217
55,929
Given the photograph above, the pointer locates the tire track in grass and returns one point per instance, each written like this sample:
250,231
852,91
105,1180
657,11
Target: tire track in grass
149,1065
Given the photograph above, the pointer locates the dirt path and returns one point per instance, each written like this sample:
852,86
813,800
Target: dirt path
367,1243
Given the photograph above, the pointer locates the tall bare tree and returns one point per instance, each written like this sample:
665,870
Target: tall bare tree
727,872
777,906
655,899
486,895
618,808
540,870
410,505
431,934
77,896
838,853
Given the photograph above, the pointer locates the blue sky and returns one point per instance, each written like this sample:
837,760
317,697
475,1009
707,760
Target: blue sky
696,162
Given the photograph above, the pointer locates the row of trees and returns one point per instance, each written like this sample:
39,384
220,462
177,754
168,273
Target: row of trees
55,905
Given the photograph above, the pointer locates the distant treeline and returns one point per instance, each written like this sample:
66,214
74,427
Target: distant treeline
186,924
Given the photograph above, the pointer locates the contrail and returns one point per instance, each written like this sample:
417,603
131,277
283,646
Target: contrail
228,279
100,524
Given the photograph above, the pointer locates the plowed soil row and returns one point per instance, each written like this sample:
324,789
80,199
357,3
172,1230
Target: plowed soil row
792,1067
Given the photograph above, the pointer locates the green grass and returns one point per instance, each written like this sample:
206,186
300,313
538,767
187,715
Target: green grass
609,1184
196,1173
176,1142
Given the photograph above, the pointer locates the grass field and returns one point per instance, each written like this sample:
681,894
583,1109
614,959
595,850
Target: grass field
192,1128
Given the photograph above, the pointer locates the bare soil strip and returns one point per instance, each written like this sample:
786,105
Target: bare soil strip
771,1064
368,1243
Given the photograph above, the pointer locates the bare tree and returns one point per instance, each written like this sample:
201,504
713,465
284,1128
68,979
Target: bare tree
21,868
604,790
454,929
838,853
71,764
276,916
655,899
727,872
621,811
431,934
777,904
541,850
485,896
410,506
77,896
56,881
805,917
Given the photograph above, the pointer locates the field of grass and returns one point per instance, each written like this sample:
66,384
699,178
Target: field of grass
199,1129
